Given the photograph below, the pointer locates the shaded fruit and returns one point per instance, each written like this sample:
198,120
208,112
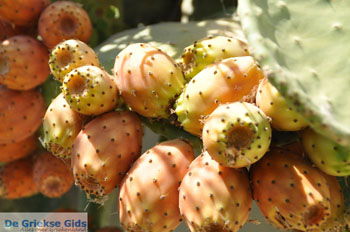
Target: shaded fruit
329,156
64,20
52,176
21,114
149,197
13,151
283,116
213,197
292,194
232,79
22,12
103,152
16,179
208,51
90,90
7,29
148,79
61,126
237,134
70,54
23,63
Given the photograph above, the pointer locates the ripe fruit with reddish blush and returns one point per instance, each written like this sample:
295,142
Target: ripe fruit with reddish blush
23,63
22,12
52,176
13,151
21,114
103,152
16,179
64,20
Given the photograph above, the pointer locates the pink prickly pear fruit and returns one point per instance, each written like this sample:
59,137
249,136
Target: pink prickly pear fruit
237,134
21,114
148,79
61,125
22,12
64,20
208,51
23,63
232,79
71,54
52,176
89,90
16,179
149,197
103,152
14,151
213,197
291,193
283,116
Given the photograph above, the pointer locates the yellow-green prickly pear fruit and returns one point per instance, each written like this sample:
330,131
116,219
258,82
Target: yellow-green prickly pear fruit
274,105
237,134
327,155
208,51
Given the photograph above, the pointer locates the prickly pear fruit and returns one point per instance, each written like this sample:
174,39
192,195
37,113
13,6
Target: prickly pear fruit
13,151
90,90
52,176
104,151
274,105
21,114
149,197
291,193
213,197
148,79
327,155
237,134
16,179
23,63
208,51
232,79
61,125
22,12
64,20
71,54
7,30
109,229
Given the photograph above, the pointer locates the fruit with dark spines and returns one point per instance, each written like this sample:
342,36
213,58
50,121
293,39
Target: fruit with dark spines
60,127
148,79
230,80
208,51
213,196
90,90
22,12
237,134
283,116
327,155
103,152
16,179
291,193
13,151
64,20
23,63
149,197
21,114
52,176
70,54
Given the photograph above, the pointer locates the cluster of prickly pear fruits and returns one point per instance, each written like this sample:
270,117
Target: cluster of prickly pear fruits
28,31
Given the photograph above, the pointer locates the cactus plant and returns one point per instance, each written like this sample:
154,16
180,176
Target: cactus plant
301,54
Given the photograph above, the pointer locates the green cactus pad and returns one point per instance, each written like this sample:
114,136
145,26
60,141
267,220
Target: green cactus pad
170,37
299,45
